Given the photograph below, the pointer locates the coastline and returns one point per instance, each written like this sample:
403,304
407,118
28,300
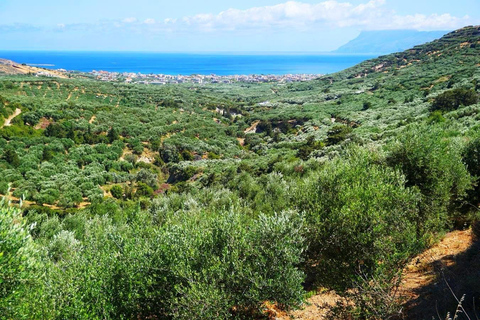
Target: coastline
187,64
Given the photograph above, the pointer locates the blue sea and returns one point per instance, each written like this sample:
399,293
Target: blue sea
187,64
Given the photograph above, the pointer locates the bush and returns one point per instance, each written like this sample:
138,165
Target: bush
19,263
3,187
471,158
213,155
197,266
169,153
432,164
71,197
147,177
435,117
452,99
117,192
11,157
338,134
306,149
360,219
180,173
143,190
366,105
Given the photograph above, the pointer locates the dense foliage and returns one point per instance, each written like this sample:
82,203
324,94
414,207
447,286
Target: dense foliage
205,201
453,99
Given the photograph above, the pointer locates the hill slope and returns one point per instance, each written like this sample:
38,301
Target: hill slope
462,45
8,67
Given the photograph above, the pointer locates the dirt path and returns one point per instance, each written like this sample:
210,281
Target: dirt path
316,308
454,256
8,121
434,280
253,128
26,203
9,197
71,93
421,271
241,141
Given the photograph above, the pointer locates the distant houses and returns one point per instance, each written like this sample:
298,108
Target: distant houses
45,74
162,79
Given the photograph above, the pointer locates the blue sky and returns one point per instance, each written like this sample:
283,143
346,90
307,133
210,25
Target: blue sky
214,25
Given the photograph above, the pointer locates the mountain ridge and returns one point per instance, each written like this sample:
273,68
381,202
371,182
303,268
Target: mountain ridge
388,41
464,41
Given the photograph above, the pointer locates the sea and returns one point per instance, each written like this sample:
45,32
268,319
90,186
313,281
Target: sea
189,63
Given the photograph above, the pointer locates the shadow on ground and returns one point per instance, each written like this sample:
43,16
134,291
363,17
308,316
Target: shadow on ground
457,275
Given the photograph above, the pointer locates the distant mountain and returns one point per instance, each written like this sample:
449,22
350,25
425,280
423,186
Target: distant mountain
388,41
456,53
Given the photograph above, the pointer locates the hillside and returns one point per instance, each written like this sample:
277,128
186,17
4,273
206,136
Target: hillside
8,67
217,201
460,45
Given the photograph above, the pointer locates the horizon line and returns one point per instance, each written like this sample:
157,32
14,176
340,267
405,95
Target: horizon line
198,52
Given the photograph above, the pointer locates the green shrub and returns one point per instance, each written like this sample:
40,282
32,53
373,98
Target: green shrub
366,105
143,190
359,217
169,153
435,117
213,155
338,134
452,99
11,157
471,158
147,177
310,145
19,263
71,197
3,187
117,192
197,266
112,135
432,164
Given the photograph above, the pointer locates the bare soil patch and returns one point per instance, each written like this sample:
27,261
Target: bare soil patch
252,128
432,282
43,123
8,121
435,279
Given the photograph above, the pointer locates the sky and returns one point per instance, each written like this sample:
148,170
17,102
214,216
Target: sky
216,25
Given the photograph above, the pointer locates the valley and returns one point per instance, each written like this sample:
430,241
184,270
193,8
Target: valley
245,200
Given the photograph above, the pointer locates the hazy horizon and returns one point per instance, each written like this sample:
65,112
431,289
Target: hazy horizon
188,63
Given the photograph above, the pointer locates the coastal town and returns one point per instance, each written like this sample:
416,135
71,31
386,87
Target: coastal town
10,67
161,79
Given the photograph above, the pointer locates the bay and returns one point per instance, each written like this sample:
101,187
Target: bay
189,63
